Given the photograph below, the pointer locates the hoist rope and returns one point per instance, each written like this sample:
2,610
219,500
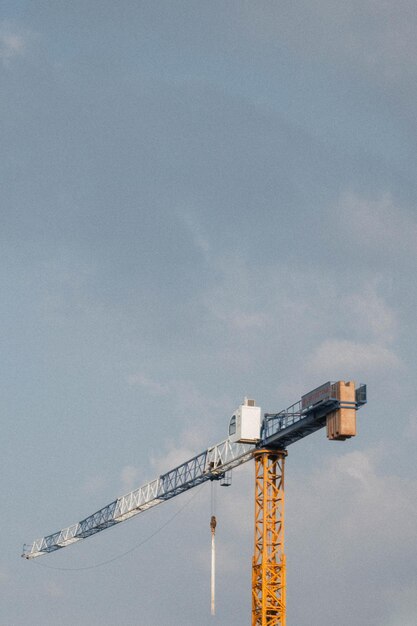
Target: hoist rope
213,523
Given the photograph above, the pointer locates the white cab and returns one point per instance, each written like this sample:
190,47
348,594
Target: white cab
245,424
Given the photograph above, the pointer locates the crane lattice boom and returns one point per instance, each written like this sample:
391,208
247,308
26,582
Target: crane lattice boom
211,464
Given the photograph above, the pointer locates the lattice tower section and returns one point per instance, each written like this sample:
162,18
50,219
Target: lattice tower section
268,569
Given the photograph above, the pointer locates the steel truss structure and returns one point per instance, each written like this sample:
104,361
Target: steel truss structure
212,464
278,431
268,567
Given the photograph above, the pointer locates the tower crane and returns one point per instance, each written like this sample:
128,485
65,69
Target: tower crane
333,404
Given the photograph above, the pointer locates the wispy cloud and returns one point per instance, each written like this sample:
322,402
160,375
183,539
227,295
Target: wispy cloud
364,481
370,312
93,484
181,392
380,223
189,443
54,589
193,225
155,387
359,516
373,37
130,477
12,43
263,312
351,357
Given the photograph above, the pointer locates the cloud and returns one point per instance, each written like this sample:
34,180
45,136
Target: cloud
241,320
367,514
54,590
176,454
261,312
12,44
377,38
93,484
371,314
129,477
379,223
155,387
355,516
199,238
351,357
182,393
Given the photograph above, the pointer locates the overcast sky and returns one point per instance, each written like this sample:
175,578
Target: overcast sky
201,201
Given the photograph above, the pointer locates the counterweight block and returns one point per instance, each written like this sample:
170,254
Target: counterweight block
341,424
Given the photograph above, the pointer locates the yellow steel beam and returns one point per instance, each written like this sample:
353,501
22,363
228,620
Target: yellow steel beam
268,569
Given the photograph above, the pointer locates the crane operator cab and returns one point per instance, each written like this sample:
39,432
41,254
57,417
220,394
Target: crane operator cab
245,423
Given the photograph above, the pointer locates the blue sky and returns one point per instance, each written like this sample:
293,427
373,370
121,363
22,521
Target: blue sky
201,201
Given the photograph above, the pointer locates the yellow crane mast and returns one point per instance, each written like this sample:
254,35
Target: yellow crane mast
268,568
